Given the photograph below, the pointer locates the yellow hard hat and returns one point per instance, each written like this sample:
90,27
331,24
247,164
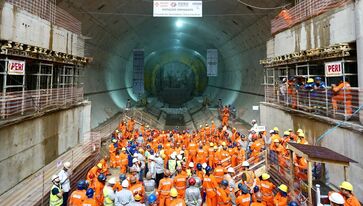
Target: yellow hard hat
137,197
141,150
299,130
310,80
301,134
286,133
163,156
224,144
173,192
265,176
276,140
276,129
123,149
99,165
347,186
215,147
211,144
283,188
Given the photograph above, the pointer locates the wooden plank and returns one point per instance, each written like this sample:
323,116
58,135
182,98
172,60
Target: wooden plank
310,181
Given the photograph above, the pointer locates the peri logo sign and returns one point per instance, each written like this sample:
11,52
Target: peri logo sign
178,8
334,69
16,67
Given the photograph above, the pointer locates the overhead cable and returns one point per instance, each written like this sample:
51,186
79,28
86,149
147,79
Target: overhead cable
264,8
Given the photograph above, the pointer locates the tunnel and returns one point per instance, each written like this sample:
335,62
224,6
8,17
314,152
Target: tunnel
114,29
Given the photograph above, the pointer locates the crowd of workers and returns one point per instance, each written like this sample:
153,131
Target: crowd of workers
176,168
315,89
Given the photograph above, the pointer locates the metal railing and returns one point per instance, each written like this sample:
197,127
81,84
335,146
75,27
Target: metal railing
28,102
302,11
322,102
34,190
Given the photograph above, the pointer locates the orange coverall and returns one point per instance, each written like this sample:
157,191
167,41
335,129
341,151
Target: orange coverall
279,200
77,197
209,186
164,188
180,184
267,189
243,200
341,90
223,198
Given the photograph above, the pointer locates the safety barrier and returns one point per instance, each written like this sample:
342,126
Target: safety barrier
323,102
34,190
302,11
22,103
48,10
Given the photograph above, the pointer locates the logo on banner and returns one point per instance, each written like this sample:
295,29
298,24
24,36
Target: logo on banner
178,8
334,69
16,67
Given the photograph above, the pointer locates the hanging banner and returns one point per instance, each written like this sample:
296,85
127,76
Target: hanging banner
16,67
138,74
178,9
334,69
212,62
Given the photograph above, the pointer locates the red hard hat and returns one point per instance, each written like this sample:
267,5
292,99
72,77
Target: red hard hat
191,181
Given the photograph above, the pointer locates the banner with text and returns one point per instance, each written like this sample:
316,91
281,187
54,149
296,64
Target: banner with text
212,62
138,74
178,8
16,67
334,69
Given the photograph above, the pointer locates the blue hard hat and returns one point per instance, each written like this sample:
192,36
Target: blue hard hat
208,169
90,192
293,203
160,146
318,78
148,146
101,177
199,166
256,189
122,177
152,152
151,198
243,188
224,182
80,185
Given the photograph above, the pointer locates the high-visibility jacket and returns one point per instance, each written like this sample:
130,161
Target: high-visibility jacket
54,200
218,174
352,201
250,178
172,166
165,186
77,197
177,202
180,184
280,200
209,185
243,200
108,196
223,198
267,189
90,202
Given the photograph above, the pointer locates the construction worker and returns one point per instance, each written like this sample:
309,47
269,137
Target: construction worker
231,183
223,198
175,200
137,202
342,93
346,189
301,138
125,196
192,194
172,164
180,183
259,201
159,167
336,199
211,154
219,172
93,174
64,181
190,169
90,200
209,187
164,188
98,188
78,196
124,161
280,198
301,166
117,186
137,188
245,198
192,148
150,186
56,193
250,180
108,193
104,161
238,156
267,188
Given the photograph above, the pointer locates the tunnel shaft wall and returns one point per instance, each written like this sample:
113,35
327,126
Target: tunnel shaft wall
29,145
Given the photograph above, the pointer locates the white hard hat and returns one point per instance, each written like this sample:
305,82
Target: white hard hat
253,121
172,156
112,181
245,164
125,184
67,165
191,164
336,198
182,152
151,157
54,177
272,131
174,153
204,165
180,157
230,170
134,160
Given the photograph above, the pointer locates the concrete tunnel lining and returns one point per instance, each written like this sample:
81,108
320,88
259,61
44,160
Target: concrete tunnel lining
240,40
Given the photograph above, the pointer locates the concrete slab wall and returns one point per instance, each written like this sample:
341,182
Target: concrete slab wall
28,146
336,26
344,141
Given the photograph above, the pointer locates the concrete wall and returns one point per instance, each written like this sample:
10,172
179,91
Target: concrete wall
344,141
20,26
336,26
28,146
